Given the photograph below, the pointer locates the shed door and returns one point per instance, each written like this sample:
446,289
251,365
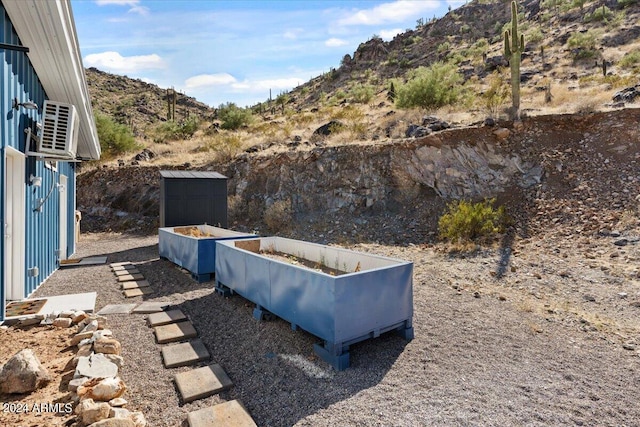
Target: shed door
14,226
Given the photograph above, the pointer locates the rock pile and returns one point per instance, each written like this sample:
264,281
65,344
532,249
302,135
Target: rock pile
96,387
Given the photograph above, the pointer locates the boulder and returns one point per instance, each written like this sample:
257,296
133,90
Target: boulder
118,402
328,128
415,131
627,95
90,412
102,389
79,317
23,373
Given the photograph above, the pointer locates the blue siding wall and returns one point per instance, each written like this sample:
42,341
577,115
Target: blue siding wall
19,80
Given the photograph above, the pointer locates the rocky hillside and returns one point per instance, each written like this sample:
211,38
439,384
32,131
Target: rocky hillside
138,104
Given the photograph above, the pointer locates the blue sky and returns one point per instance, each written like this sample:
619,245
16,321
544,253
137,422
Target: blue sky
235,51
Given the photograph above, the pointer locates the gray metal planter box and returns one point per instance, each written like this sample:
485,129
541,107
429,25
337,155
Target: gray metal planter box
196,254
376,297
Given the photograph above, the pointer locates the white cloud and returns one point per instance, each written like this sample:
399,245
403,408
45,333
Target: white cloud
117,2
293,33
133,4
335,42
113,61
389,34
286,83
397,11
206,80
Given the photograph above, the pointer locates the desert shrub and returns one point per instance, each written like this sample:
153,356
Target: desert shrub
225,145
443,47
361,93
534,36
630,59
582,45
626,3
430,87
233,117
278,216
115,138
467,221
173,131
599,14
497,94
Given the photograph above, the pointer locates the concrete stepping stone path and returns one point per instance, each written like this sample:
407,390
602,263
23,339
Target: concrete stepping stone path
165,317
184,354
148,307
135,284
130,277
119,264
175,332
116,309
137,292
202,382
131,271
228,414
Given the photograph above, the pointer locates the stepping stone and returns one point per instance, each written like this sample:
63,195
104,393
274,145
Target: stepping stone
183,354
134,285
166,317
202,382
130,277
137,292
117,309
125,272
119,264
175,332
151,307
228,414
124,267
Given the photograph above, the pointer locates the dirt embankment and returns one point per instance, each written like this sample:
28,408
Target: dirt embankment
549,169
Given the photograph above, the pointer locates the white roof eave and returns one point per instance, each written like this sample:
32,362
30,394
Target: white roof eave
48,30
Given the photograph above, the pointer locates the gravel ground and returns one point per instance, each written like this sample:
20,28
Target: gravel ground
527,349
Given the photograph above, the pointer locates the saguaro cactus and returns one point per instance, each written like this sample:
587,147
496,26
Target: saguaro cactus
512,51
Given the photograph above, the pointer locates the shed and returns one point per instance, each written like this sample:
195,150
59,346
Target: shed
192,198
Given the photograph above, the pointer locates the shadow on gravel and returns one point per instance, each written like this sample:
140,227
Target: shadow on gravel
275,372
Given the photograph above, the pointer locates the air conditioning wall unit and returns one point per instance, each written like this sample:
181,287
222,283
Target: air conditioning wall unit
59,133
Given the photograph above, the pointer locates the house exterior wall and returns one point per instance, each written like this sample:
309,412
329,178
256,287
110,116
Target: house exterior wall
42,226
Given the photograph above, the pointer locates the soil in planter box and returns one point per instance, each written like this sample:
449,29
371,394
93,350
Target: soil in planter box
311,265
192,232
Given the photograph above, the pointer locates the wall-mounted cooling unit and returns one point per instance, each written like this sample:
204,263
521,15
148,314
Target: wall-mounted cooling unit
59,133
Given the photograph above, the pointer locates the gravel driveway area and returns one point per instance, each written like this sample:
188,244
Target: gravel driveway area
482,355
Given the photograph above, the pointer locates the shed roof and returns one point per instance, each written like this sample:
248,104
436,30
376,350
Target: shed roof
47,28
191,174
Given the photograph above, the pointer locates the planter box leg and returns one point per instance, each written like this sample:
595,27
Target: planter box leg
259,313
406,331
222,289
333,354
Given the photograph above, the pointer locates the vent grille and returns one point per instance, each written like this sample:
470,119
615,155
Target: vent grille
59,129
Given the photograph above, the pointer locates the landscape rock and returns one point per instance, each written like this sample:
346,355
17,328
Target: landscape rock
90,412
79,317
107,346
117,412
62,322
139,419
23,373
434,124
76,382
118,402
416,131
95,366
115,422
115,359
102,389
